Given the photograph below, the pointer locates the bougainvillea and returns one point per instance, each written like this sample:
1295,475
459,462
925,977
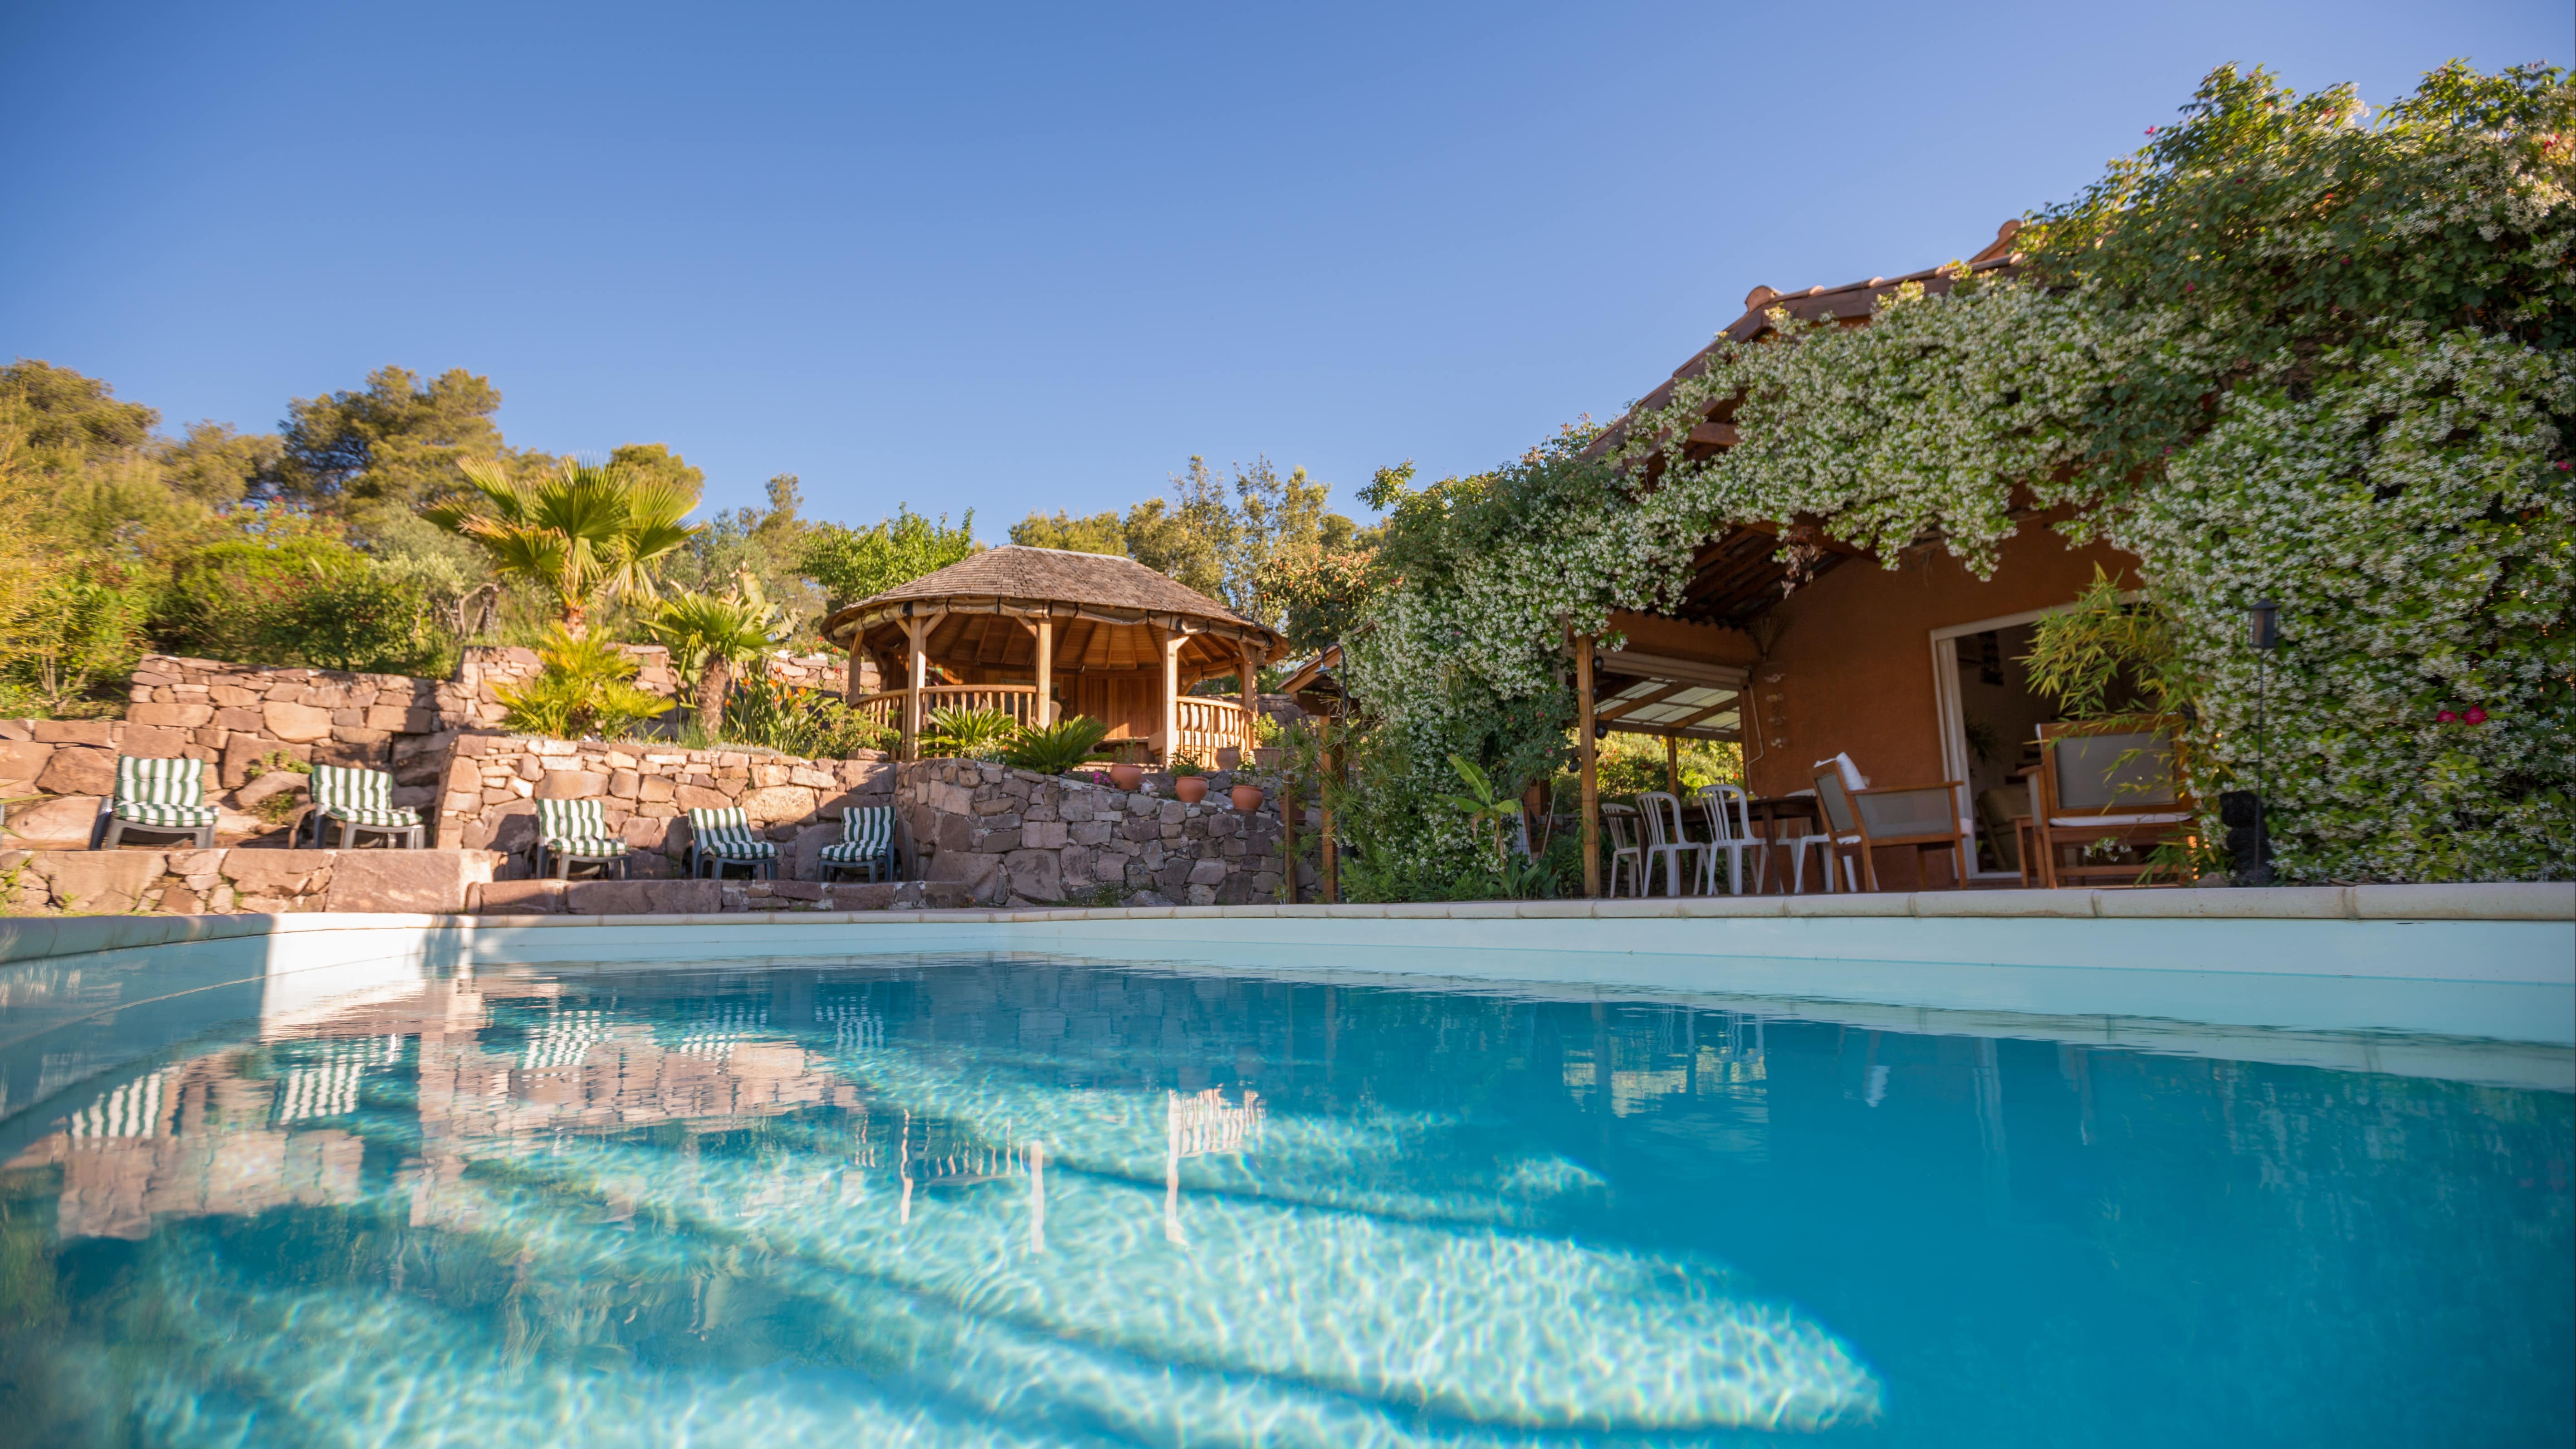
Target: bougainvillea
2288,350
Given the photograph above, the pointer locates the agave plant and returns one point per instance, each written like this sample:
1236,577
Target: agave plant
1059,747
709,634
587,531
971,734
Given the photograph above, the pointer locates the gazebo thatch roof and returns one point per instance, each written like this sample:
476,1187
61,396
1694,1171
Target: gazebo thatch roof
1106,609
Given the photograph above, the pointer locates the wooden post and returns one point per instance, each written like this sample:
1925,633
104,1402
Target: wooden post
1331,851
1288,838
1251,658
918,672
1584,752
1044,714
1673,763
1172,643
858,643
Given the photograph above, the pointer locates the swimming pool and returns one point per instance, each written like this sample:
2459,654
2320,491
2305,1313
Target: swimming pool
1015,1199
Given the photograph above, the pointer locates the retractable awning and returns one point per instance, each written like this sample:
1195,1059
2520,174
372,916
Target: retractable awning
1654,694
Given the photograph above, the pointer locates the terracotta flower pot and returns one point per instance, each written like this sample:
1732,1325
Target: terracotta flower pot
1190,788
1247,797
1126,775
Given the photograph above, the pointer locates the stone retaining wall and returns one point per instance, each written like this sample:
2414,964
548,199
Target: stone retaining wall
1017,838
706,897
486,669
492,782
190,882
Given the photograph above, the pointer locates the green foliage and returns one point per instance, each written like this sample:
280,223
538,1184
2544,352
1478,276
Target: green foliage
2111,658
970,734
296,600
1482,807
585,689
65,636
1263,544
1100,533
1183,767
586,532
803,722
766,546
1059,747
385,449
859,563
710,634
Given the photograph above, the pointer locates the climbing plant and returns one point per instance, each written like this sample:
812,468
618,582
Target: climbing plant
2290,349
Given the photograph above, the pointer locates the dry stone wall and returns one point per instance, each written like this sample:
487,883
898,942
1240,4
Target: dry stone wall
488,797
1017,838
192,882
487,669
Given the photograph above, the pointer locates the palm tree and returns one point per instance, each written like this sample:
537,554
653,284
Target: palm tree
588,531
708,634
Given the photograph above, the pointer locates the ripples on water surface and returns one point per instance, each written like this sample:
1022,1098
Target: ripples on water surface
1022,1202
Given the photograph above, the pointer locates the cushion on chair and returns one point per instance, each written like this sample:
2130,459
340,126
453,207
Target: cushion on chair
583,845
2078,822
146,812
846,853
727,834
141,782
388,816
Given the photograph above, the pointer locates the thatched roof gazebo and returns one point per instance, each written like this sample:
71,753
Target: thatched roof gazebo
1045,635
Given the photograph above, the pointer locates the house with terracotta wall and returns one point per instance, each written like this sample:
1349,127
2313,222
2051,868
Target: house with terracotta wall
1803,647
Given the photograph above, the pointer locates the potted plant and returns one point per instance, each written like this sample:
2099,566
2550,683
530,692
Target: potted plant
1126,774
1189,780
1247,795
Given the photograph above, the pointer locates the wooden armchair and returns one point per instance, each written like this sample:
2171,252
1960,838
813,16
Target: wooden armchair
1863,822
2098,782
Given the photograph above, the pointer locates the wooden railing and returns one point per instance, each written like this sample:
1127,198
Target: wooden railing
1019,701
1206,726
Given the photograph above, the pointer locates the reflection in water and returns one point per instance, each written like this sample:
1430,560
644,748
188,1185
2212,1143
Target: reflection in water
1039,1203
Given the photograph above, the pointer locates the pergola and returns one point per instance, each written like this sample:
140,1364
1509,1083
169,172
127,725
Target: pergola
1045,634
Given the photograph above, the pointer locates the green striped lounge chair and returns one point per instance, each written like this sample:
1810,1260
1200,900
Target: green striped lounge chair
360,800
157,797
866,844
573,831
719,838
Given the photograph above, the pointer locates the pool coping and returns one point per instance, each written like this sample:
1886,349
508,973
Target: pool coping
24,938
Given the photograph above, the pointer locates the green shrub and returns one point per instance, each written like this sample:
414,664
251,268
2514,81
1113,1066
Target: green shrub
804,722
301,600
1059,747
585,688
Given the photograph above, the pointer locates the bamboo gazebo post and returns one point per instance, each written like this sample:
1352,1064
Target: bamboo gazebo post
1044,710
917,677
1251,658
1584,751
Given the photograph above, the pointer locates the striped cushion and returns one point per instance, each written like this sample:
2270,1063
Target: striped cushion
362,797
575,827
146,812
867,835
159,782
728,833
369,815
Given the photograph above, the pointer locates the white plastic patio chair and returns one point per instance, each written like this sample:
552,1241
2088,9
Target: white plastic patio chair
1621,823
1667,840
1730,832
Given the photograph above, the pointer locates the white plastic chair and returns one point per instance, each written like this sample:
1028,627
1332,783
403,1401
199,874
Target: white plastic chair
1667,840
1733,835
1621,822
1797,846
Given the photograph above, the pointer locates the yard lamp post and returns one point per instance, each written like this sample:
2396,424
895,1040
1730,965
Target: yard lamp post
2263,631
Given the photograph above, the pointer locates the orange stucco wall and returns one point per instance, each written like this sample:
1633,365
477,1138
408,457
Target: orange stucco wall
1850,669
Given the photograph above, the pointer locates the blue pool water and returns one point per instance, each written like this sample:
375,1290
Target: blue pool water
1018,1201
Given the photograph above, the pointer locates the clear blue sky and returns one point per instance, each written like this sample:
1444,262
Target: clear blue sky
1012,257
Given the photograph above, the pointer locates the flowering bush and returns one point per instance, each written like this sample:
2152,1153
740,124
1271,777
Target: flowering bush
2286,350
